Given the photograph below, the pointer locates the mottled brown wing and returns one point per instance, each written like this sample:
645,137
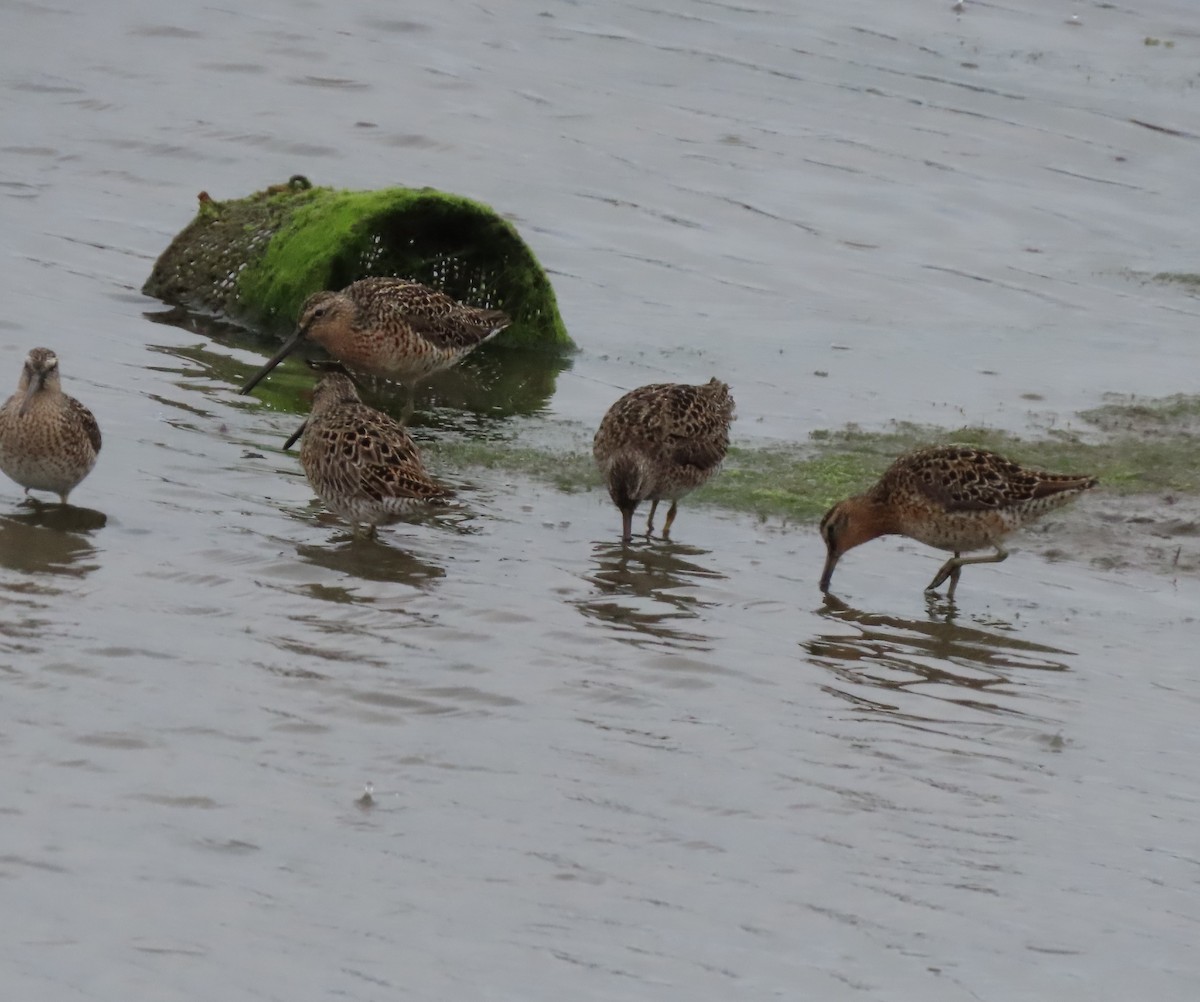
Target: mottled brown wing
381,482
464,328
440,319
697,426
688,425
960,478
636,421
87,420
388,461
371,454
698,452
366,291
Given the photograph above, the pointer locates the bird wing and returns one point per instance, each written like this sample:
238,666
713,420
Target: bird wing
381,482
376,456
439,318
389,464
697,434
87,420
671,420
967,479
464,328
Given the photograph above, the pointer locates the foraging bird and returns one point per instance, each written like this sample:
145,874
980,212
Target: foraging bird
660,442
389,327
48,441
362,463
954,497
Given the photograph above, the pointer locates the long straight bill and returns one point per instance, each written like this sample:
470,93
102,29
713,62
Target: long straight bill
288,347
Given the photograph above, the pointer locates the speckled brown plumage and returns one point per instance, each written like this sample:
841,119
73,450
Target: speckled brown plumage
659,443
389,327
48,440
955,498
362,463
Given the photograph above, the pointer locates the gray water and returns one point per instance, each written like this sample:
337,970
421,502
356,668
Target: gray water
665,772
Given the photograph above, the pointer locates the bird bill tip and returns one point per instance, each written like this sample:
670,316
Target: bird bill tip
827,573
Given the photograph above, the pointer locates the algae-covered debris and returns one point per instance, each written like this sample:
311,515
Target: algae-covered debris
255,259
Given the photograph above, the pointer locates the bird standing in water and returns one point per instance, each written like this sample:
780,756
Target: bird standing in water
659,443
389,327
953,497
362,463
48,440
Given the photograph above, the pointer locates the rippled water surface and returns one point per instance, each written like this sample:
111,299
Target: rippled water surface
667,771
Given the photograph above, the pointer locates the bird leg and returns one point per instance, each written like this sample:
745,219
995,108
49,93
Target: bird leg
650,520
952,568
670,518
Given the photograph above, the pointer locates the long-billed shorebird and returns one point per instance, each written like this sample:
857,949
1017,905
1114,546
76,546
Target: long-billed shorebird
362,463
660,442
389,327
956,498
48,441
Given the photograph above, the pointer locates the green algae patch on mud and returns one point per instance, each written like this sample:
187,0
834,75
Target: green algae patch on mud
1164,416
1148,445
256,259
788,481
1189,280
570,472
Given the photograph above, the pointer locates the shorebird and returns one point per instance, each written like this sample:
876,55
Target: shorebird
953,497
660,442
48,440
389,327
362,463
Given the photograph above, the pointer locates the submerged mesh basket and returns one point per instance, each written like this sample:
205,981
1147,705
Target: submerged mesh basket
255,259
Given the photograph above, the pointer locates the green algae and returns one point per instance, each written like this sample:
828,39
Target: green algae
570,472
1189,280
1169,415
255,259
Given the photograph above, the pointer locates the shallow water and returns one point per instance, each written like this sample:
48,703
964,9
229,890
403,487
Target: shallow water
665,772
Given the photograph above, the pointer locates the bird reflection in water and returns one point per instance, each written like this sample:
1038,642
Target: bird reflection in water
967,667
364,559
50,539
647,593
